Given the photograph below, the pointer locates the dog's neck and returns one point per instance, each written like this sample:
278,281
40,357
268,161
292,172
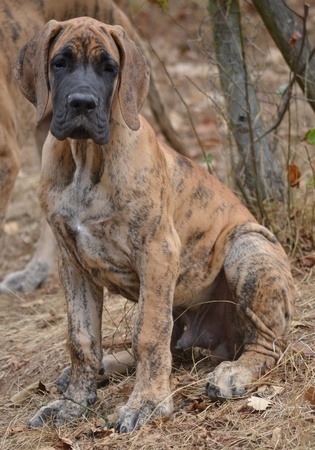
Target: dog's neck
90,162
118,152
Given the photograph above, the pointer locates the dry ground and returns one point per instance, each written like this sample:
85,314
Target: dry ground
33,327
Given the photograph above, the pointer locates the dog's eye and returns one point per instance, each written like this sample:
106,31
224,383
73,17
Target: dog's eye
59,63
108,69
107,66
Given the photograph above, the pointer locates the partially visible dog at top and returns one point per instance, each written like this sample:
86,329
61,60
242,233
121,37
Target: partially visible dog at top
132,215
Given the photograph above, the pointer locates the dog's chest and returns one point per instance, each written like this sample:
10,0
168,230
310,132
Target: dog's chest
88,225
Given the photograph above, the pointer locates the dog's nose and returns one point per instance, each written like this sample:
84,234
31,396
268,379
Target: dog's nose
82,103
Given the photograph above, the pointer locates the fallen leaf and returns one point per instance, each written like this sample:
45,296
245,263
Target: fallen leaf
20,397
66,443
258,403
295,37
126,390
42,389
101,432
113,417
157,422
309,260
268,392
197,405
262,389
82,429
184,380
309,395
276,391
100,422
294,175
16,430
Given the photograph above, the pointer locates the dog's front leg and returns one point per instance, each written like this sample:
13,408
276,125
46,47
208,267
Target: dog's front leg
151,396
84,307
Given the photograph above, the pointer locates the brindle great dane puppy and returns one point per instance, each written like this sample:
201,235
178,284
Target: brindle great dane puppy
18,23
133,215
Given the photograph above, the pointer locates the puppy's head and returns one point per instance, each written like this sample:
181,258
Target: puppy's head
83,62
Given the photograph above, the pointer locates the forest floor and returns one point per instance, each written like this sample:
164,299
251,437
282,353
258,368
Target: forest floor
33,327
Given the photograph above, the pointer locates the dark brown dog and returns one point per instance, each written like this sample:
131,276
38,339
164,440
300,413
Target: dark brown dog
132,215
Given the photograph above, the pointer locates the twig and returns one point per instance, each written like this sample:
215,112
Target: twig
187,110
284,105
292,11
88,409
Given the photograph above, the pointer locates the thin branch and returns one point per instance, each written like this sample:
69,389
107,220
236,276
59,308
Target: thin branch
284,105
292,11
187,110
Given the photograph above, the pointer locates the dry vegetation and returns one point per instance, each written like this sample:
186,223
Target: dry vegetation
33,327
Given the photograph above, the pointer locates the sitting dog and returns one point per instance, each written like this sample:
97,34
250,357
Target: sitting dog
131,214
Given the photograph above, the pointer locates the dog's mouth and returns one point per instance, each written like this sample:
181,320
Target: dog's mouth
80,133
81,129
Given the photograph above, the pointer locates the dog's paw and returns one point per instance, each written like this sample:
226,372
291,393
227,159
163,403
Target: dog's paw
62,411
26,280
228,380
130,418
59,412
13,282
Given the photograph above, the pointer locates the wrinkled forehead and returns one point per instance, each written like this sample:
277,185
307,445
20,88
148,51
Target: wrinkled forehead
85,39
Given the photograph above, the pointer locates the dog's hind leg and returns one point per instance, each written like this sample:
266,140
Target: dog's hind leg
37,269
259,277
116,363
120,362
10,164
44,259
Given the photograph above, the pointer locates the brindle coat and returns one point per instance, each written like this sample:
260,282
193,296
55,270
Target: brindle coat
131,214
19,21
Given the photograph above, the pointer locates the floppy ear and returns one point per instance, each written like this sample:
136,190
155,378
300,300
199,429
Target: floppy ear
134,78
31,67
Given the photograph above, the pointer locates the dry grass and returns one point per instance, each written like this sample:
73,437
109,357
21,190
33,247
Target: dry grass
33,350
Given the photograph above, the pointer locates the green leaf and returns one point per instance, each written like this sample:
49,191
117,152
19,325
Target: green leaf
208,158
282,89
310,136
161,3
311,183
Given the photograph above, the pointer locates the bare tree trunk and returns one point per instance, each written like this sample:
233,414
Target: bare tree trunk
263,175
282,23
